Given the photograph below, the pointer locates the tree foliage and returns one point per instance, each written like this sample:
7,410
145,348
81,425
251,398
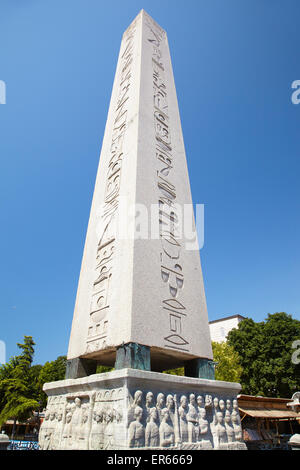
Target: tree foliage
21,383
228,362
103,369
17,391
178,371
265,351
228,368
50,372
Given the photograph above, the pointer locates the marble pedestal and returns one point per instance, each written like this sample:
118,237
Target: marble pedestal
129,408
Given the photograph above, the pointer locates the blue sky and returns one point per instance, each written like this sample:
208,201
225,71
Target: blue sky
234,62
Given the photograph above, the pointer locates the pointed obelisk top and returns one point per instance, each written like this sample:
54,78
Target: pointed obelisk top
144,15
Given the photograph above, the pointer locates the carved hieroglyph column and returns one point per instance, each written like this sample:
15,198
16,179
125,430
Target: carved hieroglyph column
145,289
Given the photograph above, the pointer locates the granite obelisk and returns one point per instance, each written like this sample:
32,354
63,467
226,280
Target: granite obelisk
132,290
140,304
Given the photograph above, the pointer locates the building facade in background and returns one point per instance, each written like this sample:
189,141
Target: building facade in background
219,329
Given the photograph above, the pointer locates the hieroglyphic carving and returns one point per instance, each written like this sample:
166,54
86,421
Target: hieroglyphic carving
171,267
100,300
187,424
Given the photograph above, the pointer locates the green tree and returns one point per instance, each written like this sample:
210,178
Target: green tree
265,351
5,373
50,372
228,366
102,369
17,389
178,371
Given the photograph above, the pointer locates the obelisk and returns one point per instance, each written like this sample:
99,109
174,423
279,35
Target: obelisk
140,304
149,291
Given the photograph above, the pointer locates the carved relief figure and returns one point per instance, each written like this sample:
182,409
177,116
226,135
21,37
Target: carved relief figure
109,430
183,425
96,437
220,431
203,426
200,403
137,401
43,430
136,430
235,405
208,401
58,431
83,435
152,430
166,433
118,415
160,403
171,404
86,423
138,398
76,418
118,426
67,432
192,419
50,430
235,418
229,428
149,404
216,405
222,405
215,410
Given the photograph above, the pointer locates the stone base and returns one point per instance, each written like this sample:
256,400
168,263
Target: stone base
130,408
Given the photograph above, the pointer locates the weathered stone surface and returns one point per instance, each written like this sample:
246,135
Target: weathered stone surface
133,356
146,290
139,409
